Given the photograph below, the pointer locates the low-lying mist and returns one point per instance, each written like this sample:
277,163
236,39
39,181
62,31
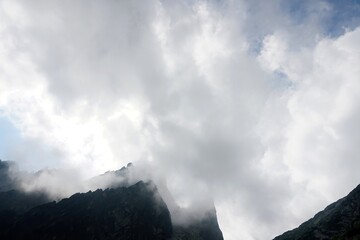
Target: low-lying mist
57,184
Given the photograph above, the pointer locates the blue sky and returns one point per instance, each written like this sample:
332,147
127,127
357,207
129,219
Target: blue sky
345,15
30,154
9,137
341,16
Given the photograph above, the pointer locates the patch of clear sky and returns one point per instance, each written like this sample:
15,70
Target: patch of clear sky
8,136
343,15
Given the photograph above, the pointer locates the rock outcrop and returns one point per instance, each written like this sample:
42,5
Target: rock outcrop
124,211
134,212
340,220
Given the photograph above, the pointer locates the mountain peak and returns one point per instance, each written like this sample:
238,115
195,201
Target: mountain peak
122,209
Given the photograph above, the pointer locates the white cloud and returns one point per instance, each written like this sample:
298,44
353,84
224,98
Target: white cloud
314,147
178,88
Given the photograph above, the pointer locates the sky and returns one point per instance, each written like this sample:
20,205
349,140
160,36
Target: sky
255,103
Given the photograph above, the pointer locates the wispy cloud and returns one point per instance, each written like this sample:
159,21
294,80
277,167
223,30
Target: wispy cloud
252,102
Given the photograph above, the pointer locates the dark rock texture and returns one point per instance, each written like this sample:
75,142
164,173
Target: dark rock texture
125,211
6,182
134,212
340,220
206,228
20,202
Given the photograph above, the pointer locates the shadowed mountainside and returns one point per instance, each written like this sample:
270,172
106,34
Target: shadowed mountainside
340,220
6,182
205,228
134,212
124,211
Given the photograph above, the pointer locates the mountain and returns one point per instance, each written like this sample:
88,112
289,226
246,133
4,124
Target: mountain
134,212
127,211
20,202
338,221
6,182
206,228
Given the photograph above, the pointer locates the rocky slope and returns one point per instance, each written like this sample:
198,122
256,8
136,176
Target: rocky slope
340,220
134,212
6,182
124,211
205,228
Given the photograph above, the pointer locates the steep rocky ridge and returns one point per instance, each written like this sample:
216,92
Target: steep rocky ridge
134,212
203,228
340,220
126,210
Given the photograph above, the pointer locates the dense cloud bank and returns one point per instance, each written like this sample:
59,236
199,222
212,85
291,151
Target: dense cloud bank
253,103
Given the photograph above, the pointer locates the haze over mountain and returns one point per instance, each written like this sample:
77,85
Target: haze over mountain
251,103
126,210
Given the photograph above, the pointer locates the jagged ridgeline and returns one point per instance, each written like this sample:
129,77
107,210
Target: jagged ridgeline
127,211
338,221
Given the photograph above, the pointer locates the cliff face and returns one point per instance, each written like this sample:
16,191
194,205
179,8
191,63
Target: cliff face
6,183
133,212
340,220
205,228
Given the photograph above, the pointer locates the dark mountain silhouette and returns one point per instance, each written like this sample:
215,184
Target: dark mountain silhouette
204,228
6,182
124,211
134,212
340,220
20,202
